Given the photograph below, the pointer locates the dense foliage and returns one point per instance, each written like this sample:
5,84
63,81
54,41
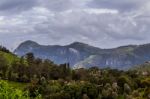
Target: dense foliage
61,82
4,49
7,92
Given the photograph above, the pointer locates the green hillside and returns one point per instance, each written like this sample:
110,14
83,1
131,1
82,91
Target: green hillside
33,78
142,68
9,57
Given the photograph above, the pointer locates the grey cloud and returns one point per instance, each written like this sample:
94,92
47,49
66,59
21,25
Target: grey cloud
62,5
56,5
98,27
15,6
66,21
121,5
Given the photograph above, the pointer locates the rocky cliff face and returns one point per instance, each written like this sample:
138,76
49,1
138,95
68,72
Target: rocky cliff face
83,55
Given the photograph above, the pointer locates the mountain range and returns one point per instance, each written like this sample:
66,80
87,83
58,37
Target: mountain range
80,55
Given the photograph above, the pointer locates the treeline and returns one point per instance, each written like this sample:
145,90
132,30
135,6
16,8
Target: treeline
4,49
27,68
54,81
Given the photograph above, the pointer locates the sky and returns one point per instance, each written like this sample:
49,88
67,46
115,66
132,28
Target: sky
100,23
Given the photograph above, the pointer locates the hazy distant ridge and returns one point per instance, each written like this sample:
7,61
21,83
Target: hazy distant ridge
83,55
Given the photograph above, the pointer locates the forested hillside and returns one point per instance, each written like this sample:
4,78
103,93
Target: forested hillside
43,79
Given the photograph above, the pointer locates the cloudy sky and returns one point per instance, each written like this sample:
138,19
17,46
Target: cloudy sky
101,23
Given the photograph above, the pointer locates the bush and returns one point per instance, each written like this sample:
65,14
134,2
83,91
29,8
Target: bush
7,92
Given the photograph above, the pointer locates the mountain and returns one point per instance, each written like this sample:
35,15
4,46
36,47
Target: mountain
72,53
83,55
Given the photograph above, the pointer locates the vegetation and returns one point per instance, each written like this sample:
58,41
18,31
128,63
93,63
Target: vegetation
4,49
29,77
7,92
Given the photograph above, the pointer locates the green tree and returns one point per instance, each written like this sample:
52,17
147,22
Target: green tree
3,65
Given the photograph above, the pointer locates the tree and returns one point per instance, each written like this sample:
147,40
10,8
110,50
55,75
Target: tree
90,90
127,88
3,65
30,58
4,49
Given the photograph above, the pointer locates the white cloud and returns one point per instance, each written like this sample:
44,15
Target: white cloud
100,11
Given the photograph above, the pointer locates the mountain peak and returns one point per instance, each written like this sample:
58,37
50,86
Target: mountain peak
29,42
78,44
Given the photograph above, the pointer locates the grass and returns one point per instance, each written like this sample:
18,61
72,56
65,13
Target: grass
16,85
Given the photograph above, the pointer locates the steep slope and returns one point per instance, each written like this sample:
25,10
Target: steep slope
9,57
120,58
72,53
83,55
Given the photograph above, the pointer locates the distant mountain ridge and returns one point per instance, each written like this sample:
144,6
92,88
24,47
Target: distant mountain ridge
83,55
